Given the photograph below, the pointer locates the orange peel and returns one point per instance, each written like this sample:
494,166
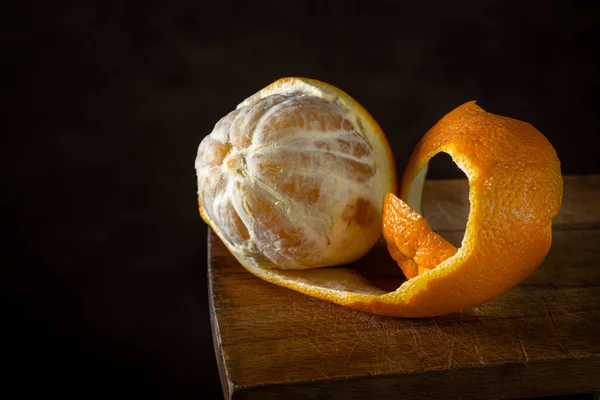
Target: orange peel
515,192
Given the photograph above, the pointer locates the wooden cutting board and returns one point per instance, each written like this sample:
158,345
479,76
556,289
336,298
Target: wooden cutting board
540,338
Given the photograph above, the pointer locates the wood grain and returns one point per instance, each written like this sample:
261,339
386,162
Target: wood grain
540,338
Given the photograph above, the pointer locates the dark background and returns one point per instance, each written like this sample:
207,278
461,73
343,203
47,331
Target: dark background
104,289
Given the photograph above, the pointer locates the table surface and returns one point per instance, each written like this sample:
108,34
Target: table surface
540,338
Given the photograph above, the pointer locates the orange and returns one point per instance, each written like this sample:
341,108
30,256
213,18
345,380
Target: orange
515,192
294,178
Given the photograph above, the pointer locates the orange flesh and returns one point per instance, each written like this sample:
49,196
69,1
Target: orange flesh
305,185
270,176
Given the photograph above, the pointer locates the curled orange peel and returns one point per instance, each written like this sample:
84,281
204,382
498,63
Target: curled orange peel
515,192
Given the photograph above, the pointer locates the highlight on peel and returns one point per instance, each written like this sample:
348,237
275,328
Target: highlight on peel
294,178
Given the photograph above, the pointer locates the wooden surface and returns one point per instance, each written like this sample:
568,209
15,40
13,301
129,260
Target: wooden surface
540,338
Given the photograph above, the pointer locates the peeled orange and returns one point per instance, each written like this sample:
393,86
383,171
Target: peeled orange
295,177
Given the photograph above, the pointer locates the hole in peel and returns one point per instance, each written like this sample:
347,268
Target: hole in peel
379,268
446,198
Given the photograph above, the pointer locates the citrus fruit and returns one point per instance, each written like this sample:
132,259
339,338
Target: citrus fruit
294,178
515,192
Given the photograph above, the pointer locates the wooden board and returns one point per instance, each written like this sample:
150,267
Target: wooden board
540,338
